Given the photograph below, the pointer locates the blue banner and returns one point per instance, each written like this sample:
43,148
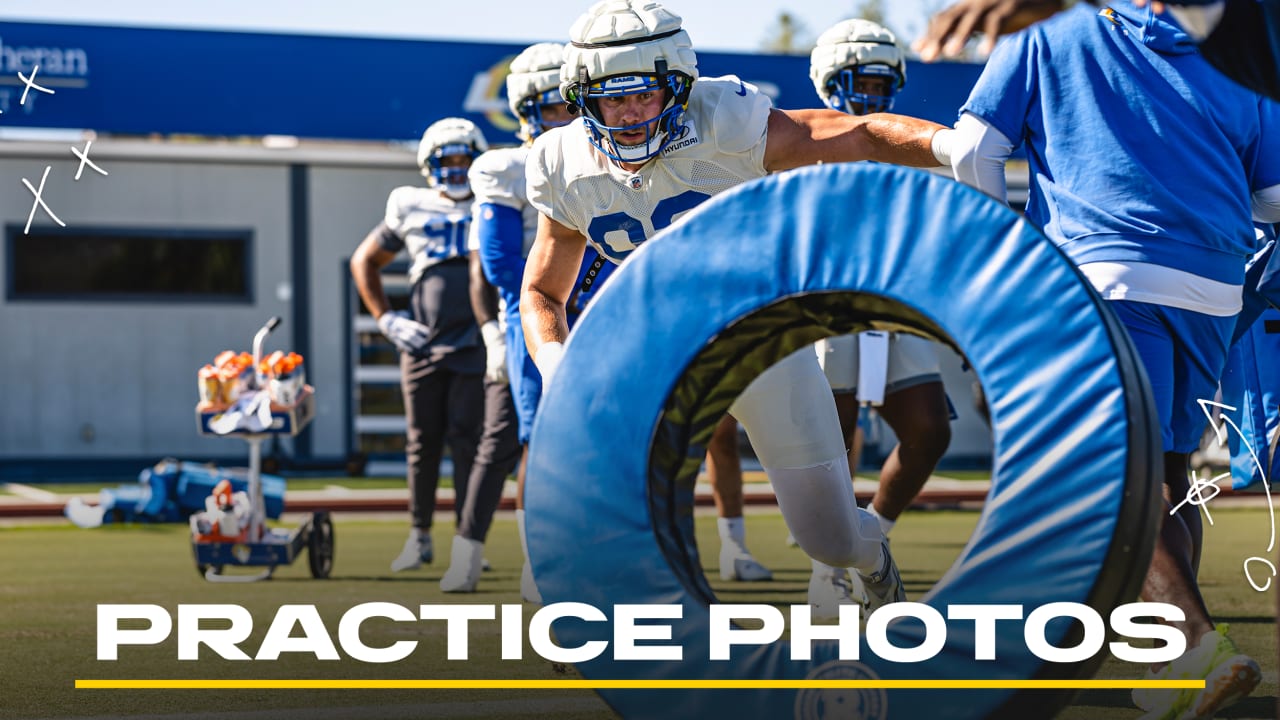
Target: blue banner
141,81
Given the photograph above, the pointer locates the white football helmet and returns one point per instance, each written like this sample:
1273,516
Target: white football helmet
854,49
445,138
625,47
534,81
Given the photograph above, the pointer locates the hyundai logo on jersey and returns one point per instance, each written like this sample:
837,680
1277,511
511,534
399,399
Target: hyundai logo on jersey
625,85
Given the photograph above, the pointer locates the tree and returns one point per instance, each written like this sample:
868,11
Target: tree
788,37
872,10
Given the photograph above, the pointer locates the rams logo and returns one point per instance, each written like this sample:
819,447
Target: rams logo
488,95
842,704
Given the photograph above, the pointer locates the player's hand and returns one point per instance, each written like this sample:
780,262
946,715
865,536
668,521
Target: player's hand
950,29
408,335
495,352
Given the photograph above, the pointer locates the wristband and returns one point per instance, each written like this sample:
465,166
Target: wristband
548,359
941,146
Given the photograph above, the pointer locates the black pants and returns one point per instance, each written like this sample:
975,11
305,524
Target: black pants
441,405
496,458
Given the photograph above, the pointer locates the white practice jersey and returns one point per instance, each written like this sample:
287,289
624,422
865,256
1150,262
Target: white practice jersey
430,226
497,178
616,210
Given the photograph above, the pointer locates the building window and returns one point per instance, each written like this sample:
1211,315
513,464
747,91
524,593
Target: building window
129,265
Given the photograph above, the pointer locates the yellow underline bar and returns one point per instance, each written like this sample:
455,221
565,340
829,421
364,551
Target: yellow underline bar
126,684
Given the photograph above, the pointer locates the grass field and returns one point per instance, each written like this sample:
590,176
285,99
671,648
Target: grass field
55,575
387,483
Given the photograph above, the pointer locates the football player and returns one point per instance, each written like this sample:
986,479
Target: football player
1161,230
442,362
1241,38
857,68
502,233
653,141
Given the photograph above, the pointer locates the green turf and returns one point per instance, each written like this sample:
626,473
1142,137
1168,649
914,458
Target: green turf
54,577
298,483
980,475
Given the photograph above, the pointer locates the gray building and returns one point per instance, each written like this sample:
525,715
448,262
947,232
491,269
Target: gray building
179,252
183,250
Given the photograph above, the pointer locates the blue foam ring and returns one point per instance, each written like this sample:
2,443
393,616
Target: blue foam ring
755,274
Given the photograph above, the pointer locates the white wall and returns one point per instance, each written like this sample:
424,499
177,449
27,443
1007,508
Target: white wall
346,203
104,379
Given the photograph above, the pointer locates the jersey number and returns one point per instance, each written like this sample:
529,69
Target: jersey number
617,234
446,238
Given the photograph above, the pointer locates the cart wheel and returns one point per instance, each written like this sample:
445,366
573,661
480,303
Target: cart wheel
202,569
320,545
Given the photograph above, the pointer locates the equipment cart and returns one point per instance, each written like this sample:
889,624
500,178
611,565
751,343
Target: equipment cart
232,531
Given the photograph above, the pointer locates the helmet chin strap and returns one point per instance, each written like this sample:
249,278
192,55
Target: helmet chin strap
455,192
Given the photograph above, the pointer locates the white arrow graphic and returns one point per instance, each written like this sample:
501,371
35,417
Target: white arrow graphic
1221,432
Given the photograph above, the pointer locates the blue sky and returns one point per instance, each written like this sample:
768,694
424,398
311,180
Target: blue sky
728,25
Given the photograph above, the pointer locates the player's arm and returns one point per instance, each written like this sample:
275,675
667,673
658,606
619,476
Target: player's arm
499,236
377,251
484,305
366,270
484,296
978,156
949,29
806,137
1264,166
549,278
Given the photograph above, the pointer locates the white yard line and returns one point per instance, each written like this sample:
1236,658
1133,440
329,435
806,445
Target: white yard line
32,493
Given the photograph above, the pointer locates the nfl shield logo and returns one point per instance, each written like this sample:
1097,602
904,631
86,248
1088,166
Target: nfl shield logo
635,181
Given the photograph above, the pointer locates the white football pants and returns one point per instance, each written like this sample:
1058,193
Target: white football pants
790,418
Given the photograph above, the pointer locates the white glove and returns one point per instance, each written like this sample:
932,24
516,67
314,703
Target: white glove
409,335
495,349
547,360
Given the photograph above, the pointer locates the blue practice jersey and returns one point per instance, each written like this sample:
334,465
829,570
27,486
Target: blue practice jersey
1139,151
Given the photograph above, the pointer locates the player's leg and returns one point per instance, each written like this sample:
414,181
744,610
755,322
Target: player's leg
915,407
919,418
848,412
526,390
791,419
496,456
464,406
724,469
1183,353
830,586
424,388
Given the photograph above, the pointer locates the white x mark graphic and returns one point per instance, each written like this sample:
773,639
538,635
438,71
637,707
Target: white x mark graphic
31,83
84,159
39,201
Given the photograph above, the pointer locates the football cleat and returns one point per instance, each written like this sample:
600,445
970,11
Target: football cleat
416,551
886,586
466,562
737,564
528,588
829,588
1228,676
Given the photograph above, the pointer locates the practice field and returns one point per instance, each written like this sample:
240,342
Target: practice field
54,576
